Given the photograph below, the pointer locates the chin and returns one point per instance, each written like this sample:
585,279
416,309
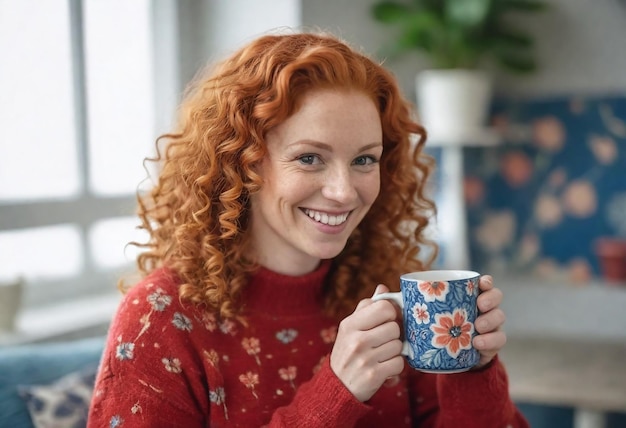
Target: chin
329,253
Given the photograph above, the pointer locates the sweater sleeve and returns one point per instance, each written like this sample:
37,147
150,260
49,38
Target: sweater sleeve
473,399
321,402
131,397
147,378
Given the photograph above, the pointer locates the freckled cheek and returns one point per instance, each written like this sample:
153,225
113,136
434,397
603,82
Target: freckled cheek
291,195
369,189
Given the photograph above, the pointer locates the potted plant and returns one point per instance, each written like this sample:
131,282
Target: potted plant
458,36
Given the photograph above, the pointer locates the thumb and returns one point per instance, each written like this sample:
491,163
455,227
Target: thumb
381,288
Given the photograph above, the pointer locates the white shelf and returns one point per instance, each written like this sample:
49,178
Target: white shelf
38,324
481,137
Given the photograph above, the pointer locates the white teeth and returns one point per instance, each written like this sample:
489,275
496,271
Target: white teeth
325,218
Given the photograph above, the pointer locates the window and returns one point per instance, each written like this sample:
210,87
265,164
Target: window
77,114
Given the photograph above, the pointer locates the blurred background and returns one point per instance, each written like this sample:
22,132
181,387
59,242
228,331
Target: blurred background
86,86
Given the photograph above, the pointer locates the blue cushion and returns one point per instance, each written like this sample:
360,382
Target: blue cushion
539,416
547,416
39,364
63,403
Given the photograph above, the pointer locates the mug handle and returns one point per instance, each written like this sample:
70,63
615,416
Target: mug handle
396,297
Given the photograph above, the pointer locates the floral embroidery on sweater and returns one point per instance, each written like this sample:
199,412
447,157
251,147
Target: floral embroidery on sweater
287,336
252,347
289,374
181,322
222,373
218,397
250,380
124,351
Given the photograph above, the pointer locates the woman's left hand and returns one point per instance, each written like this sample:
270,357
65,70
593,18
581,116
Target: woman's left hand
491,338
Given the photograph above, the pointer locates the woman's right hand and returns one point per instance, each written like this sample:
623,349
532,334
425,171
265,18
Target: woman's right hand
367,348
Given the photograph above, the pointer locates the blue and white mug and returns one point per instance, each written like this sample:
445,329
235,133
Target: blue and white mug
438,310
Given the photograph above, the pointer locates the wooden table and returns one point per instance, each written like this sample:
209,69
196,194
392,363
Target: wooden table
587,376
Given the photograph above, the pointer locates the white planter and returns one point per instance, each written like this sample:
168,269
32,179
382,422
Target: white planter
453,104
10,302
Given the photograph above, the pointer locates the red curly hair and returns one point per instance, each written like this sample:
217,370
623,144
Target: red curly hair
197,215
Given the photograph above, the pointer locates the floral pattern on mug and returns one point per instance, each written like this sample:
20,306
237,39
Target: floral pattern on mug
434,290
452,331
420,313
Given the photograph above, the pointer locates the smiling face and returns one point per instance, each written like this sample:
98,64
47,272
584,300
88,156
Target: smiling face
320,178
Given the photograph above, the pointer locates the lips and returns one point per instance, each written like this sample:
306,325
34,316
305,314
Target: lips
327,218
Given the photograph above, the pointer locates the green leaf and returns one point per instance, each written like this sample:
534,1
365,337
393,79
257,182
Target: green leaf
516,63
523,5
459,33
467,13
423,21
422,31
389,12
511,39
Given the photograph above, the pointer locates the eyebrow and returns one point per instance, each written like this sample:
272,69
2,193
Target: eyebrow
329,148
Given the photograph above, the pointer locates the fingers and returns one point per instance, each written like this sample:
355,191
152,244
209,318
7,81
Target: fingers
490,321
387,350
491,337
489,299
490,342
392,367
375,337
485,282
489,345
367,349
370,316
380,288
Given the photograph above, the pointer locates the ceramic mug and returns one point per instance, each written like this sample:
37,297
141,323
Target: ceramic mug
438,311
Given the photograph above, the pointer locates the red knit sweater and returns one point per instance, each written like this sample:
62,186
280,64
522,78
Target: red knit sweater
168,364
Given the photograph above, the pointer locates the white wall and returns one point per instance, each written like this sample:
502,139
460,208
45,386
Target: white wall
212,29
581,44
229,24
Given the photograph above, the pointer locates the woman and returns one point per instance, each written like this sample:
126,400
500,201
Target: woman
290,189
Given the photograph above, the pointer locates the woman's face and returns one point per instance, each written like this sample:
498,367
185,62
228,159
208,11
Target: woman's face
320,178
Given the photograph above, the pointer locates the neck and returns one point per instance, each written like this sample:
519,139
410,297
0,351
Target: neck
292,264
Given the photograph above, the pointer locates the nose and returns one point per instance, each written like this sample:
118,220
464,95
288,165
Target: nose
339,186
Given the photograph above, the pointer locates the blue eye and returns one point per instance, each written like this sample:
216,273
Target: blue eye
309,159
365,160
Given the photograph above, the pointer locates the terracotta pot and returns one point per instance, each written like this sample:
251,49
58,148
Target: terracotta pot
611,254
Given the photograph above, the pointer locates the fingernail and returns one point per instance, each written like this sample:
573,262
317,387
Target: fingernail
377,289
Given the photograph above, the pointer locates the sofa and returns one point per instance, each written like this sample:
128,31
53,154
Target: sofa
45,382
53,381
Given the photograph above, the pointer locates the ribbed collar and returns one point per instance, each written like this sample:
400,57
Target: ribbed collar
284,295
